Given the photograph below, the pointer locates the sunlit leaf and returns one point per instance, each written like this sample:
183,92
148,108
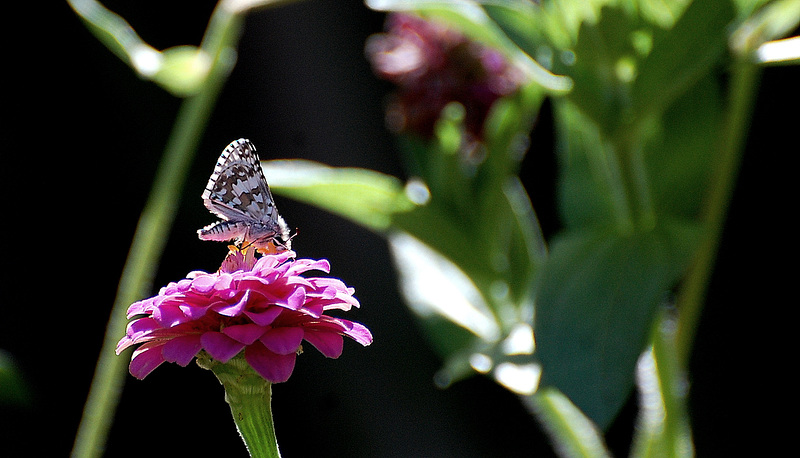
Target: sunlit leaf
433,285
364,196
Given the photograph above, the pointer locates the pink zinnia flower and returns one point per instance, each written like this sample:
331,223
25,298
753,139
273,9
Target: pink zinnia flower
262,306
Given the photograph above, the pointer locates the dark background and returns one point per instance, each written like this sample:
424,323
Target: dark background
83,135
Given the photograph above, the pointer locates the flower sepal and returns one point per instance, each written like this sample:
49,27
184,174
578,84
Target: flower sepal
249,396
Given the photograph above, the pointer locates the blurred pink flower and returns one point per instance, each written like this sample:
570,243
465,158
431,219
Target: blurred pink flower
433,65
262,306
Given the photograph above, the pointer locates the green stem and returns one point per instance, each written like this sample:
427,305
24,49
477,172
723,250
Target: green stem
663,428
250,399
572,432
742,93
151,234
110,29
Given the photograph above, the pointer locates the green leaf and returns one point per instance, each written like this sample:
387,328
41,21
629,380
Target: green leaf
680,155
563,18
471,19
774,21
591,187
573,433
681,55
14,390
597,297
364,196
663,13
503,259
479,215
522,22
434,288
637,132
602,65
628,65
462,322
183,70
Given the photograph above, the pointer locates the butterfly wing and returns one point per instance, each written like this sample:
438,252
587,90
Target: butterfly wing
237,189
238,193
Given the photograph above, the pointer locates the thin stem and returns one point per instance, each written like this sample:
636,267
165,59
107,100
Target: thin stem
151,235
250,398
742,93
572,432
663,428
111,29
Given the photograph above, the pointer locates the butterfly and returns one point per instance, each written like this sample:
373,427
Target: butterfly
238,193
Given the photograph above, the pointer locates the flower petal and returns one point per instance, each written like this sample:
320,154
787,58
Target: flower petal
359,333
235,309
263,306
273,367
304,265
145,359
204,284
194,312
219,346
182,349
283,340
329,344
169,315
244,333
264,317
296,299
137,332
355,331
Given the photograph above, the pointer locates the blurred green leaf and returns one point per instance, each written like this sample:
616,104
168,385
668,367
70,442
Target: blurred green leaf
522,21
565,17
502,263
364,196
461,322
629,64
597,297
117,34
775,20
591,188
680,154
572,432
507,128
623,147
380,202
681,55
434,288
662,13
183,70
479,215
471,19
508,222
13,389
602,64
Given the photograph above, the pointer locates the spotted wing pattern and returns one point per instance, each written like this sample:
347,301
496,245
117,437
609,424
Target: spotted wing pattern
237,192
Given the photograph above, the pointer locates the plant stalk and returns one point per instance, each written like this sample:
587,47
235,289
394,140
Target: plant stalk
151,234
